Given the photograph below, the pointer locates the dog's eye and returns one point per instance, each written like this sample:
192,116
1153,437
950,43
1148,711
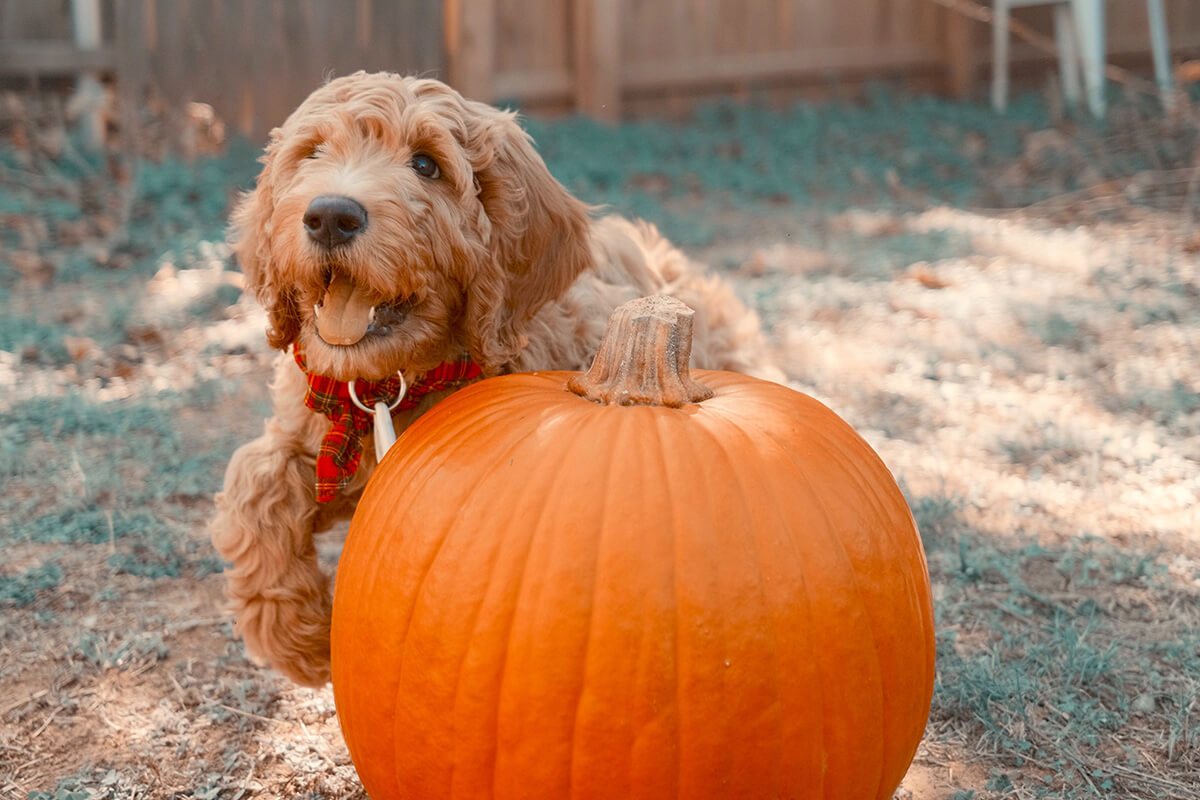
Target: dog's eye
317,150
425,166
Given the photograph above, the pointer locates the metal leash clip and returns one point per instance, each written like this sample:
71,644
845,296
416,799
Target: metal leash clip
385,431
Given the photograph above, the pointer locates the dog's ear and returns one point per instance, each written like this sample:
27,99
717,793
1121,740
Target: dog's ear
249,236
538,239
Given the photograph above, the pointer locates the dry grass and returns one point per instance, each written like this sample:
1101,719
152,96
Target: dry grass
1029,376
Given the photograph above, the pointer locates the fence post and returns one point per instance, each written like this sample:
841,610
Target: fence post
131,69
960,53
597,34
471,47
89,94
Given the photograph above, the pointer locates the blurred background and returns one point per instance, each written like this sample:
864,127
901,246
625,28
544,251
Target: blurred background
254,60
968,227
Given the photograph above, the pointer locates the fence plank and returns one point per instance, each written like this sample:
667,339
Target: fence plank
713,72
598,58
472,46
253,60
960,53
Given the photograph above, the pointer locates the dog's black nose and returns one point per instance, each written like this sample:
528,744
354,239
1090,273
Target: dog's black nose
334,219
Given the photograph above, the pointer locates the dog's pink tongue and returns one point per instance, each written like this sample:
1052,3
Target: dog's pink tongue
345,313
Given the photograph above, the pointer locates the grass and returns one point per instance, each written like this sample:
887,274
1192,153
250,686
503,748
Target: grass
124,474
835,155
104,240
21,590
1174,407
1071,666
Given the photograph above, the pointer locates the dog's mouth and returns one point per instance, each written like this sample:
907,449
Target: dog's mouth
349,312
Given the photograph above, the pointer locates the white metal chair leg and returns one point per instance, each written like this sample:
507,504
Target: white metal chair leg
1068,54
1161,49
86,23
1000,19
1089,20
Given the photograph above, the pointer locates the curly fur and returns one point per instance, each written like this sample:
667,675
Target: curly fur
495,258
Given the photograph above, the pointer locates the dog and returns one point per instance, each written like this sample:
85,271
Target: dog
399,228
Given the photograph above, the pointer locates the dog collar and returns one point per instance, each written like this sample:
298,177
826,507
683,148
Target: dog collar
342,446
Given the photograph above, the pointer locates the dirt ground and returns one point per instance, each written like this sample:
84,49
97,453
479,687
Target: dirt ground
1035,388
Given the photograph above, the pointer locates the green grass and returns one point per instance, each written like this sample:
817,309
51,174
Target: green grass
832,155
101,783
1071,669
23,589
1174,408
1039,668
30,338
123,474
126,474
104,651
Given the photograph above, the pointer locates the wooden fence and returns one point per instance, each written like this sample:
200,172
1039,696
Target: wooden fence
253,60
598,55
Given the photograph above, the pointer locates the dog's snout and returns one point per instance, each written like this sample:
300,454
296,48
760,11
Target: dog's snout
334,219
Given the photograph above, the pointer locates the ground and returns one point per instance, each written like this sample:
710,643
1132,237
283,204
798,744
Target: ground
1007,308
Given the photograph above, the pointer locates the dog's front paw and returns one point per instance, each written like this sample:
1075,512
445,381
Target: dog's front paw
289,633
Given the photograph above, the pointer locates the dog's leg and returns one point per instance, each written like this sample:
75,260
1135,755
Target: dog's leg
265,522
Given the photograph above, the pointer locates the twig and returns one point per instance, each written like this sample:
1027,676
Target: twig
46,724
179,627
178,688
250,714
1147,777
245,782
1107,189
100,711
35,696
21,790
29,763
143,669
1012,612
318,741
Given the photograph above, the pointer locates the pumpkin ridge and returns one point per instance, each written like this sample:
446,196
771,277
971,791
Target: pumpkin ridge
662,455
879,671
850,463
454,762
419,454
845,558
461,444
739,474
736,422
721,445
804,593
415,439
852,460
459,428
564,454
587,647
687,756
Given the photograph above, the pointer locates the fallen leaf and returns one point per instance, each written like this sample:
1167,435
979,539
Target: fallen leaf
925,276
80,348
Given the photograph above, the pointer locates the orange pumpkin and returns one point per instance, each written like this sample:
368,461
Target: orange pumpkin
543,596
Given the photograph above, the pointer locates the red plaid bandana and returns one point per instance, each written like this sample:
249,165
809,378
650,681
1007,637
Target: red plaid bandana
342,447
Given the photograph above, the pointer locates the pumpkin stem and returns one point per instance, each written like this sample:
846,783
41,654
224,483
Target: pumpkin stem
643,357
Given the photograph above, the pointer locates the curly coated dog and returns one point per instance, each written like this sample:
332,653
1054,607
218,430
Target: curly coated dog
398,227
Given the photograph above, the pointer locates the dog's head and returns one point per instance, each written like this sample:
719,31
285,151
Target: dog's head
396,225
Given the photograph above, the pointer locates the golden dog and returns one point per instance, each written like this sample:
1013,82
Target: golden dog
398,227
